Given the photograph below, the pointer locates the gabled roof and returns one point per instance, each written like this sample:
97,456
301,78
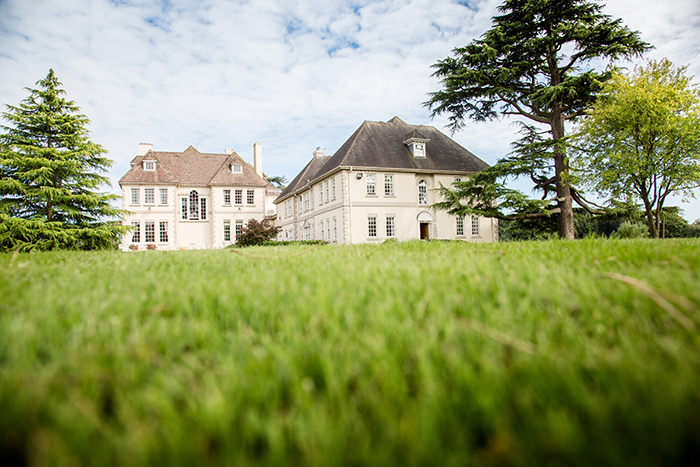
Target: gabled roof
307,174
191,168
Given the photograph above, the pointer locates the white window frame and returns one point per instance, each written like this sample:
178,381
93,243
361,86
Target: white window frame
422,192
459,231
136,233
475,226
193,207
149,166
320,194
335,229
149,232
227,230
149,196
227,196
250,197
388,185
163,196
371,181
238,200
333,188
136,196
372,226
237,168
239,227
391,225
163,231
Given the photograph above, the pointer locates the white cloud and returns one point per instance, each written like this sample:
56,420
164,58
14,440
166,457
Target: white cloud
291,74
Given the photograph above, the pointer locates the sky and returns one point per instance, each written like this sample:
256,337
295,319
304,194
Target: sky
293,75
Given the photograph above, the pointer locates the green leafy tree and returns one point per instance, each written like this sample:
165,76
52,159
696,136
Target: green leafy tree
534,63
49,175
257,232
278,181
641,140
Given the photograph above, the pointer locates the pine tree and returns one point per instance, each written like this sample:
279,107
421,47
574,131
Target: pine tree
534,63
50,172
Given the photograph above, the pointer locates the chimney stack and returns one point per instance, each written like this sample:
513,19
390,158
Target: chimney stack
257,158
318,152
228,151
144,148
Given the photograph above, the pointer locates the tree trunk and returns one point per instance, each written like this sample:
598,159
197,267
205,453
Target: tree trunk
561,173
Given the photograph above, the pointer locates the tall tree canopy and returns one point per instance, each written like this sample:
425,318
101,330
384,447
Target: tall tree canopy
641,140
533,63
50,172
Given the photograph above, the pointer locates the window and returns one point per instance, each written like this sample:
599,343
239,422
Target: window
371,184
327,193
227,197
193,207
135,196
390,226
136,233
239,197
320,194
422,192
150,232
250,197
149,196
237,168
239,227
475,226
163,231
333,188
460,226
372,226
323,232
419,150
149,166
335,230
163,196
227,230
388,185
306,201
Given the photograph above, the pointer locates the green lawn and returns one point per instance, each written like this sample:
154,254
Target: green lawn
440,353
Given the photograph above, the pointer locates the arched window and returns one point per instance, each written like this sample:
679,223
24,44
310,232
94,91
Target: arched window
194,205
422,192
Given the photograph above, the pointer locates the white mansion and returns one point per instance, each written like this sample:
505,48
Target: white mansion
192,200
380,185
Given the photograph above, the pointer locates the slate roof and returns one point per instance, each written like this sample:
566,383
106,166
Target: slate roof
307,174
191,168
380,145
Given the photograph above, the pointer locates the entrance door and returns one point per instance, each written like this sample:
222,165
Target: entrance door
424,231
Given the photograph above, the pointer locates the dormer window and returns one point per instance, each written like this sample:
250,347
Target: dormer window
418,149
417,144
237,168
149,166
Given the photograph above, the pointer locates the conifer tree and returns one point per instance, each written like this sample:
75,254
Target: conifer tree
534,63
50,172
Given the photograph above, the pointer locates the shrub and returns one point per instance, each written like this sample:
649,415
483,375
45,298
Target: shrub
133,247
631,230
257,232
150,246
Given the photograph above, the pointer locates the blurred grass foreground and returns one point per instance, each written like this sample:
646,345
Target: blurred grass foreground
533,353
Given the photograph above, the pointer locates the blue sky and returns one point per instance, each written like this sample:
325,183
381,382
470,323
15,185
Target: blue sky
291,74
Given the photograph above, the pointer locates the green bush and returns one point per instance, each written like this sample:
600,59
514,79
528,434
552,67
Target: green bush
631,230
